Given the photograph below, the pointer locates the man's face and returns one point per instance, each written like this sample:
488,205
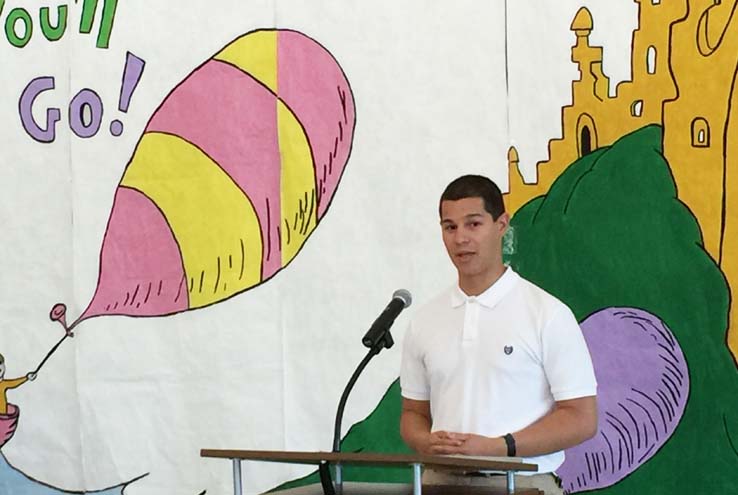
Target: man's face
472,238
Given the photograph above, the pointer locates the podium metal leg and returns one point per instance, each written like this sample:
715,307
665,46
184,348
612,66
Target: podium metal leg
417,480
339,479
237,488
511,482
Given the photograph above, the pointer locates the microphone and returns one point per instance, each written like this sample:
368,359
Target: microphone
376,334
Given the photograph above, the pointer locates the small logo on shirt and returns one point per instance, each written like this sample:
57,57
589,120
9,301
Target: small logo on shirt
508,349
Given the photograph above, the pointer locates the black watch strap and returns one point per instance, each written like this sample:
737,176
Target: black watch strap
510,441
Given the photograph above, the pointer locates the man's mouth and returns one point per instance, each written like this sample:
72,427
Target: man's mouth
464,255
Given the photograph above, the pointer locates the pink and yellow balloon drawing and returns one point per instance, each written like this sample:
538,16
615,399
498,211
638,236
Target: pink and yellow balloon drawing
232,174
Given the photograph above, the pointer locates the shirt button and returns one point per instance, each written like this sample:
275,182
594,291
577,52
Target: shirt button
472,299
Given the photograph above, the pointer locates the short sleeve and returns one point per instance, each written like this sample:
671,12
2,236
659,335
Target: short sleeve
566,358
413,377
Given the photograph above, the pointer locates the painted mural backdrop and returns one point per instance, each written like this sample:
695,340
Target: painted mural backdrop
199,172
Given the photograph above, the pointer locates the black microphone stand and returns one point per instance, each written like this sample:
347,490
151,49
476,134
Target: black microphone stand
385,342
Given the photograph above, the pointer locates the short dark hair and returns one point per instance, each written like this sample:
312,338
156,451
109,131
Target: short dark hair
475,186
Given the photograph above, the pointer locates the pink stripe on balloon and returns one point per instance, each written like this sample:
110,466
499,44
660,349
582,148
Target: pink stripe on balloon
141,269
312,84
233,119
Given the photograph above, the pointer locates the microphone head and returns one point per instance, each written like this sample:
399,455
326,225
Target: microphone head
404,296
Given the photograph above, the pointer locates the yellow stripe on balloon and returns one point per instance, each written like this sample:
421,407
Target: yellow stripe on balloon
299,204
255,54
214,223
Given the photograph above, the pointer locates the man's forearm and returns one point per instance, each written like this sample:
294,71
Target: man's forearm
562,428
414,429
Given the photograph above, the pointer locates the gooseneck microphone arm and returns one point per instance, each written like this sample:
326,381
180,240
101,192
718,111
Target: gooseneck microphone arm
377,338
344,397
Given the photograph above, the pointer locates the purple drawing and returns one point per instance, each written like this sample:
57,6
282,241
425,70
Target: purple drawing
643,388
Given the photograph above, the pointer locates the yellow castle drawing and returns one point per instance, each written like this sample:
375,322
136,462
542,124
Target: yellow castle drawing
684,64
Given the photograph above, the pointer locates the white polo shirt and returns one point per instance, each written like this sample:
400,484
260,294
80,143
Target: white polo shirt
495,363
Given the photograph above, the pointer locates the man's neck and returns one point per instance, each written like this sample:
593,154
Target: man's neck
476,284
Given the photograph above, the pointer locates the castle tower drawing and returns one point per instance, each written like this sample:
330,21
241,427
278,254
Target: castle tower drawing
684,66
701,132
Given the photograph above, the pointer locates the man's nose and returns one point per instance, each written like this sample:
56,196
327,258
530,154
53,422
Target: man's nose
461,236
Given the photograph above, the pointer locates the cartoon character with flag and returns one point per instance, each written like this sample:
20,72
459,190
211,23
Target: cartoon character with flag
9,413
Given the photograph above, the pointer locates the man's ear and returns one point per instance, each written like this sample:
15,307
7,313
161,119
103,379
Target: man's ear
504,222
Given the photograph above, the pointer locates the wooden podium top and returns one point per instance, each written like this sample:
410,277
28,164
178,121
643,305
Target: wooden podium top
397,460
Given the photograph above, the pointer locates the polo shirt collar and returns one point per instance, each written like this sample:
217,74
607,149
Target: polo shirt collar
490,297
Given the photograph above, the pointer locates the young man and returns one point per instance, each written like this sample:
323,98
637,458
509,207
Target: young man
5,385
495,366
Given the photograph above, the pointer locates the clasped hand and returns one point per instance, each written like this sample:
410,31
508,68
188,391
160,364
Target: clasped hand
450,443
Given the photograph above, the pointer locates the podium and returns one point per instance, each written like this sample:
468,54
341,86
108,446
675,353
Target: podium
459,463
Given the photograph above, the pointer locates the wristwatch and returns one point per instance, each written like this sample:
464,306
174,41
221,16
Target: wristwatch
510,442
